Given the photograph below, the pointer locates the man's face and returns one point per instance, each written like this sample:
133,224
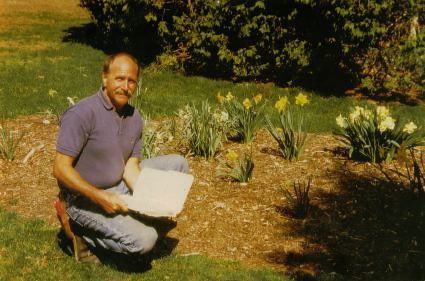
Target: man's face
121,81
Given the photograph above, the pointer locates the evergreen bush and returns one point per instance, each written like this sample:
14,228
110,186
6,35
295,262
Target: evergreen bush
377,46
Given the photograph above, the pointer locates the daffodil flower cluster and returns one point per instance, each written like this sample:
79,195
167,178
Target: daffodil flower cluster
375,135
384,120
244,116
221,99
237,168
300,100
289,135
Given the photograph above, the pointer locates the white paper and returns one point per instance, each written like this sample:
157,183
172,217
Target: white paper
159,193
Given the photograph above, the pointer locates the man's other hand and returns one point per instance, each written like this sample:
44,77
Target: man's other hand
111,202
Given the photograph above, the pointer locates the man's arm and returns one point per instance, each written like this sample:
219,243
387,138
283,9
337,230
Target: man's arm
131,172
66,174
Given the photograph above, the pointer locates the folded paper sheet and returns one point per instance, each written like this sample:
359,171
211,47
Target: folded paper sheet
159,193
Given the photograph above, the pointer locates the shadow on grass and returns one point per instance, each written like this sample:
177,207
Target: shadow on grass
130,263
366,229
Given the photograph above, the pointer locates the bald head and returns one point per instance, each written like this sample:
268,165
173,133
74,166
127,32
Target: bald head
110,59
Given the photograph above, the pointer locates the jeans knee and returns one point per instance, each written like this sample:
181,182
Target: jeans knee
143,241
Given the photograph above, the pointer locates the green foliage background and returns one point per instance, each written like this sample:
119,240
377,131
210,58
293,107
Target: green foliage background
374,45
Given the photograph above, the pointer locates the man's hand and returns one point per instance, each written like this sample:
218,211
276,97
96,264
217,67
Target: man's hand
65,173
111,202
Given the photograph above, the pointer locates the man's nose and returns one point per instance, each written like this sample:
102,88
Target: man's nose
124,85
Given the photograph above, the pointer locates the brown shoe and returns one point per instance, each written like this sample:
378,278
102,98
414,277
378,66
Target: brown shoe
82,251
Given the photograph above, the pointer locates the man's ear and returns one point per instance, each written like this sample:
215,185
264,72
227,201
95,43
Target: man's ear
104,79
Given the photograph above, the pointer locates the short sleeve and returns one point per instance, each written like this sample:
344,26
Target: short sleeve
137,149
73,134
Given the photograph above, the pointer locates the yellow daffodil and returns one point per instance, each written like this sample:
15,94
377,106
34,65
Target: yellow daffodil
355,115
387,124
409,127
382,112
247,103
257,98
341,122
229,96
52,93
220,98
232,155
301,99
281,103
367,114
279,130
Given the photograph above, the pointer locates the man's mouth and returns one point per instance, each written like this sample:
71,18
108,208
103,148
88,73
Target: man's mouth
123,93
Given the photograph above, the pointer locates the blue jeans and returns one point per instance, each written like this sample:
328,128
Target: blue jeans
121,233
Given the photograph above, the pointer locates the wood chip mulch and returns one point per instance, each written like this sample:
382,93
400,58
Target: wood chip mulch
221,219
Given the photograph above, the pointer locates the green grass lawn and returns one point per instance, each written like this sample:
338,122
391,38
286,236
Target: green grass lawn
28,251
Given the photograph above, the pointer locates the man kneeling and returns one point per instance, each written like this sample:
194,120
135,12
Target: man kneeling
97,158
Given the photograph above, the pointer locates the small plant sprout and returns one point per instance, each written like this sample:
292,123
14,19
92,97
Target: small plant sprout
299,201
237,168
56,106
374,135
416,174
9,140
289,134
245,116
410,167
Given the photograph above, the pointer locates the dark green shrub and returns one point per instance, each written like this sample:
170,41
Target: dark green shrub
374,45
240,39
380,40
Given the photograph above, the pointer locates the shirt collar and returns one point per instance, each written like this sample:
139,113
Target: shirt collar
106,103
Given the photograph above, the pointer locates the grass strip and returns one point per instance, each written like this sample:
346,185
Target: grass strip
29,251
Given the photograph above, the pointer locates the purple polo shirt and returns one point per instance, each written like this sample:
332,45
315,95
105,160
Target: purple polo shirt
100,140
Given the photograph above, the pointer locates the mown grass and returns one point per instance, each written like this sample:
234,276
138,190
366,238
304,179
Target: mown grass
28,251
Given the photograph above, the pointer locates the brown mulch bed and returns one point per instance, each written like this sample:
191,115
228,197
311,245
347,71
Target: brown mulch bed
248,223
